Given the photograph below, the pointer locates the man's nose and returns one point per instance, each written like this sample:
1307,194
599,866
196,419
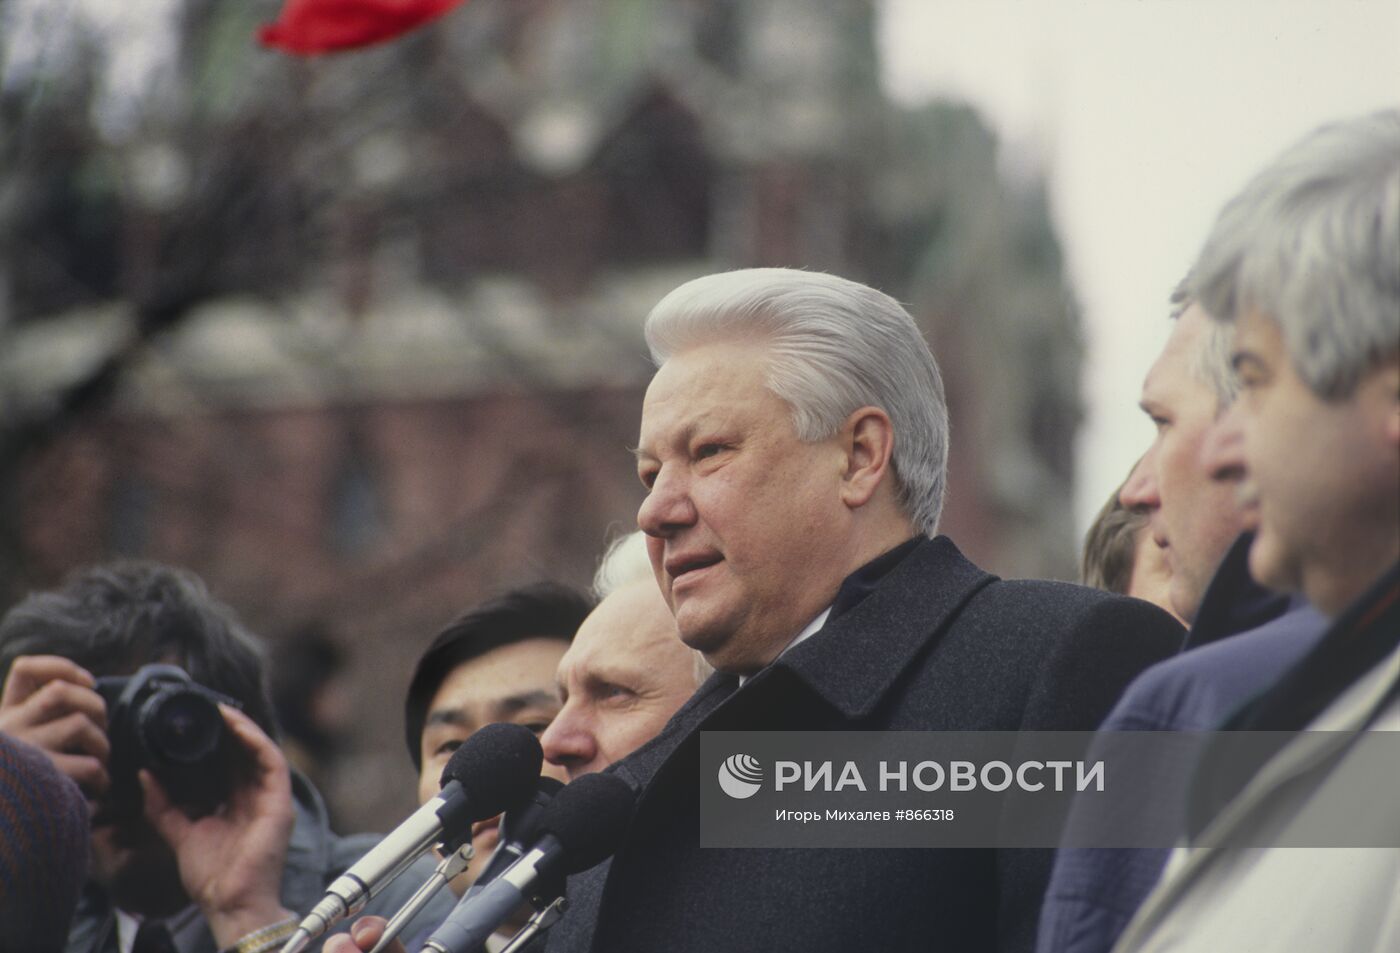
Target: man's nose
1222,450
668,506
567,741
1139,491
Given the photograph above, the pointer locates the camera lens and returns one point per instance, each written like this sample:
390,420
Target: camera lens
180,726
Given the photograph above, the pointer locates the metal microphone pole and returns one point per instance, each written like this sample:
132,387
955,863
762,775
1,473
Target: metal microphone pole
451,865
542,920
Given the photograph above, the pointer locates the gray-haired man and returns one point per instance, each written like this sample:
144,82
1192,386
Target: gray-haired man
793,445
1305,263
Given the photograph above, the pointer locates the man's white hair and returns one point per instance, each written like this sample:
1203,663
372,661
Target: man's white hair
833,346
1313,242
626,562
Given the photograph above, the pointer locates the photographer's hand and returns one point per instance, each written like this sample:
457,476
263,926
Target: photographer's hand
231,861
49,702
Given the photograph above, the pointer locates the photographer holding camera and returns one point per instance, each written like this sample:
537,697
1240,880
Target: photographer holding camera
149,694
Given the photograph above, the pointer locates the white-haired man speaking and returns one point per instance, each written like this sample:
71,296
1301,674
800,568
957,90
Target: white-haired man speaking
793,445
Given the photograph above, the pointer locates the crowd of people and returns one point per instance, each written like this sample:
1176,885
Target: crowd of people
788,575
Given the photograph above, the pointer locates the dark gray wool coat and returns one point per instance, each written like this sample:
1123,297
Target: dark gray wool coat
937,645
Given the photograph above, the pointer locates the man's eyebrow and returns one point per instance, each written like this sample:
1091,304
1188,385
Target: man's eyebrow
614,673
502,707
513,703
446,716
680,438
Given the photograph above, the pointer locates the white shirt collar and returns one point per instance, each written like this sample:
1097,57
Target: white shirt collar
812,629
127,925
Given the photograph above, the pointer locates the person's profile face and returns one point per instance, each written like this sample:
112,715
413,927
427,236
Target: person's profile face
1191,517
1317,476
513,683
745,522
1151,578
622,679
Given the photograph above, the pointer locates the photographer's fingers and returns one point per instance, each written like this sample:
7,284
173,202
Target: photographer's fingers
58,698
66,719
231,860
169,821
77,747
28,703
268,795
271,778
87,772
29,673
73,733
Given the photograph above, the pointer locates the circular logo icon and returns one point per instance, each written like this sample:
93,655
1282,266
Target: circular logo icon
740,776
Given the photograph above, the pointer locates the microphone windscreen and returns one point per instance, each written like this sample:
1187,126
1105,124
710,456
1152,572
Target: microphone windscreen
498,767
522,822
590,817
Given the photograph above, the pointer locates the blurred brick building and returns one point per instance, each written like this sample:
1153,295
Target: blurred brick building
443,409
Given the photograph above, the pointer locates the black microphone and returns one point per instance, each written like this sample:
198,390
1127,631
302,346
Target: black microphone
582,825
520,827
494,769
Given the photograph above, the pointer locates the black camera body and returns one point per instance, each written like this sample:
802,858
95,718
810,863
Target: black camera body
162,720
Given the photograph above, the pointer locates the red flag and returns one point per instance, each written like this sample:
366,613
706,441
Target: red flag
306,27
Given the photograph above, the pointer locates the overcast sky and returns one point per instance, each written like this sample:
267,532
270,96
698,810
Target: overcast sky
1147,115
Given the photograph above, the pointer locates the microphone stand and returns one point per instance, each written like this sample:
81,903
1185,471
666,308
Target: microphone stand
451,865
542,920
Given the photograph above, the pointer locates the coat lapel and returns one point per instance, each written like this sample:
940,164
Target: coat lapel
856,658
851,663
639,767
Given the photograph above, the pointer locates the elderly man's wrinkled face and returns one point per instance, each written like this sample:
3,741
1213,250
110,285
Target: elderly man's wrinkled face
1317,478
746,525
1191,517
622,679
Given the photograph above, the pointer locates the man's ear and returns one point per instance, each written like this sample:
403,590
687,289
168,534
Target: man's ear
1391,375
867,438
1378,393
